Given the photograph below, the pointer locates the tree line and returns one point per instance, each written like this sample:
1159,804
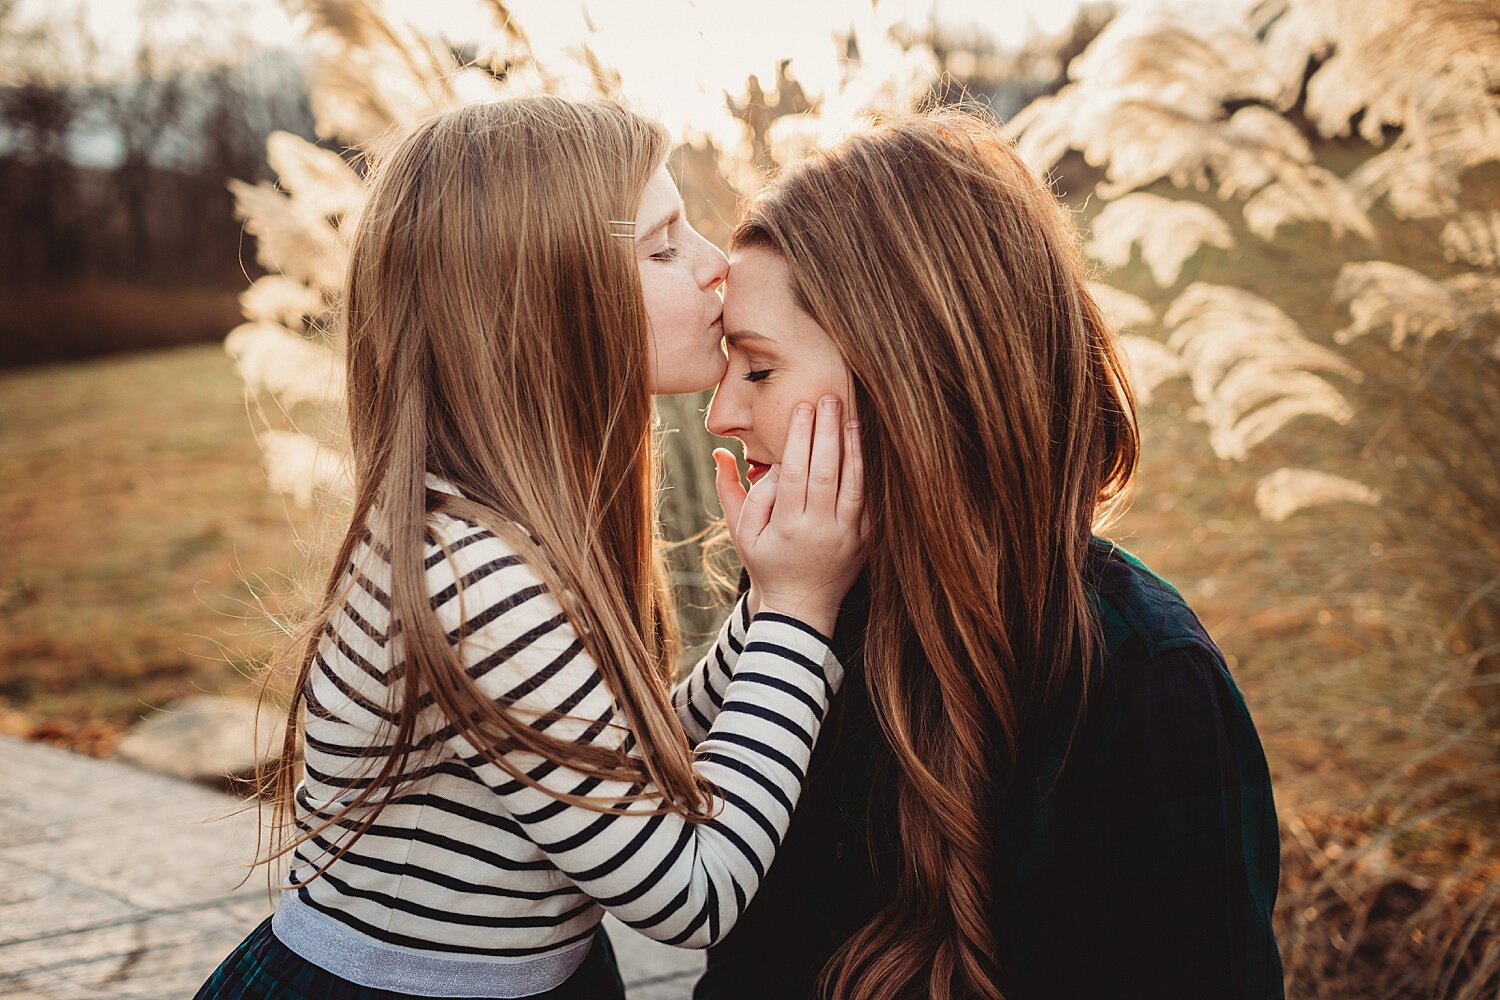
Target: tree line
113,181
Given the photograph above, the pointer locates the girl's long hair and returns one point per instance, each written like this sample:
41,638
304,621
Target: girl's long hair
997,424
497,338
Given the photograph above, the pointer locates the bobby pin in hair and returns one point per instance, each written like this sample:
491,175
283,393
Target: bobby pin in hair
624,228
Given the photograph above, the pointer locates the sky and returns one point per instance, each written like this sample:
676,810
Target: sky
753,27
759,22
677,57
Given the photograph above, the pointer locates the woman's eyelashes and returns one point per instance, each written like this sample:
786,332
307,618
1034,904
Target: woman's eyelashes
668,252
751,372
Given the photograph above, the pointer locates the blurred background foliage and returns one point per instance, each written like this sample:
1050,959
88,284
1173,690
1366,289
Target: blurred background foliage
1292,206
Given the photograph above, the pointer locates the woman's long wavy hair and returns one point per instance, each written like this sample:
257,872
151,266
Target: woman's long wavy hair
497,338
998,425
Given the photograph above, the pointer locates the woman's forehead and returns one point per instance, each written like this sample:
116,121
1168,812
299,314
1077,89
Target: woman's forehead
758,274
756,293
760,311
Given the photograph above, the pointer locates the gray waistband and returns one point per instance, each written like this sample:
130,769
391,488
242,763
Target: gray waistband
351,955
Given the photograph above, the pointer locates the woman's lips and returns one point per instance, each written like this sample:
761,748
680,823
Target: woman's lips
755,470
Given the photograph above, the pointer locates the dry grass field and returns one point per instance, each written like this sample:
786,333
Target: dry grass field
86,318
137,527
137,530
134,522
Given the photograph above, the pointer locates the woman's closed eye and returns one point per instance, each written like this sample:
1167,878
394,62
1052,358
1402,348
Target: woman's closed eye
758,375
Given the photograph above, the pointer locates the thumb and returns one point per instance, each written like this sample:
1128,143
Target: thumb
731,491
756,511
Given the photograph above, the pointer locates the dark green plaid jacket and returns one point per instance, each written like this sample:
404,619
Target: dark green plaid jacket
1146,868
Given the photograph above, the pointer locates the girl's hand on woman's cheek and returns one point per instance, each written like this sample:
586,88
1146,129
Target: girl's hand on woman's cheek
799,529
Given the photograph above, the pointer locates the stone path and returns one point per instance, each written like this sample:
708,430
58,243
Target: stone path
115,884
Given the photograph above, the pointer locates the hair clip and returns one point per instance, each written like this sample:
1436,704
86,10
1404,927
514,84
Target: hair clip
624,228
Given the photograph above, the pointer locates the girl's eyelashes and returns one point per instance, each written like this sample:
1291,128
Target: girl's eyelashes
758,375
668,252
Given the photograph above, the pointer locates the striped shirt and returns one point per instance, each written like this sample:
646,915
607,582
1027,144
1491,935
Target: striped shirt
471,883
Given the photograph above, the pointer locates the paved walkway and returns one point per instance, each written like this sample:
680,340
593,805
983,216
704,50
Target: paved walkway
114,885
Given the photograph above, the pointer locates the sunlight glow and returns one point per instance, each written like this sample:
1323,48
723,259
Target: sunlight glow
681,54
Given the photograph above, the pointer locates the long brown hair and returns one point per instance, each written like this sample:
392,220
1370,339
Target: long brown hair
497,338
997,425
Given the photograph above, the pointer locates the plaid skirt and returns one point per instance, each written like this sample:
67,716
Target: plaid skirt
264,967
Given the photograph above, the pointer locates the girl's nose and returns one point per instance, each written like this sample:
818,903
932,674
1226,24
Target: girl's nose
713,267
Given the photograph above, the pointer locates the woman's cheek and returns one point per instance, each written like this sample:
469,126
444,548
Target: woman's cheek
774,416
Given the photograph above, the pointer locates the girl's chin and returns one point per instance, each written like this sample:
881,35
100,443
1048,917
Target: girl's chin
684,384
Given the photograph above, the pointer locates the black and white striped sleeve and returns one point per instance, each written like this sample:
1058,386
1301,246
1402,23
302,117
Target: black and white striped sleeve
700,695
682,883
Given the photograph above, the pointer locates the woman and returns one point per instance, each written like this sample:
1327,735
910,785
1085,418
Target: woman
1039,779
491,759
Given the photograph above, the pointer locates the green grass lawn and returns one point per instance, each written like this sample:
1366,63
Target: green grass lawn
136,528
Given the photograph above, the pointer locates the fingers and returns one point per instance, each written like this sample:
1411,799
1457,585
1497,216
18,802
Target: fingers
791,495
756,511
823,468
727,484
852,483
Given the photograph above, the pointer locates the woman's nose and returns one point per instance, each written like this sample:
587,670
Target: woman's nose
725,419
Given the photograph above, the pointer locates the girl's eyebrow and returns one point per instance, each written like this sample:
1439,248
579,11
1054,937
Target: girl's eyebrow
663,224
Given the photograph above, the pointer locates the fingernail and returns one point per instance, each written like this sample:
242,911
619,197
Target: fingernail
804,409
852,425
830,403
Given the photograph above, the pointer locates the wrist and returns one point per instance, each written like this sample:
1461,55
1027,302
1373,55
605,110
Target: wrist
818,617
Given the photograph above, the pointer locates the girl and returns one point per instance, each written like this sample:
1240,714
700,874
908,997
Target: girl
1039,779
491,755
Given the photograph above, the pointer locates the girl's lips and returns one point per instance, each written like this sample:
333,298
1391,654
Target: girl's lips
755,470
